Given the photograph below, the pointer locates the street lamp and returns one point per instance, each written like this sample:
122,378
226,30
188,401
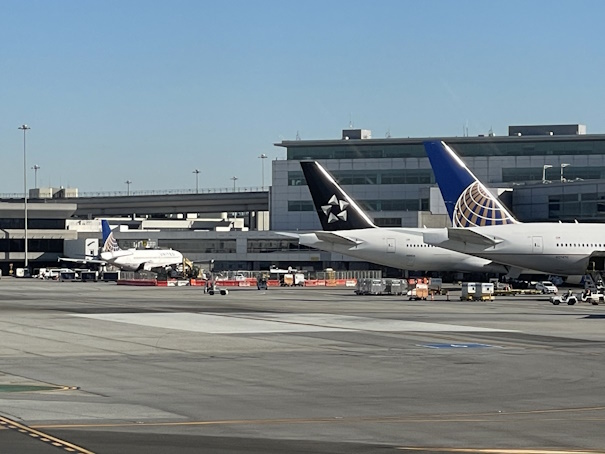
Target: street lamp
562,167
36,167
544,167
128,182
25,128
234,180
197,172
262,157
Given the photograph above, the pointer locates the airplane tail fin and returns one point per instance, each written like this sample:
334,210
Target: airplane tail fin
336,210
110,244
469,203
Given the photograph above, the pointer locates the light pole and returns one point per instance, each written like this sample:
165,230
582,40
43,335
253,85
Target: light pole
128,186
234,180
24,128
544,167
36,167
262,158
197,172
562,167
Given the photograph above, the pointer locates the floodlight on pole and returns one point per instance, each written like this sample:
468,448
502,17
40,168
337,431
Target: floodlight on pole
234,180
36,167
25,128
197,173
544,167
128,182
562,167
262,157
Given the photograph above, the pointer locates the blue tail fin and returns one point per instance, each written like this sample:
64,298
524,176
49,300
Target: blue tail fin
110,244
468,202
336,210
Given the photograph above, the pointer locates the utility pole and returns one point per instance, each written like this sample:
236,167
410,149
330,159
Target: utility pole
25,128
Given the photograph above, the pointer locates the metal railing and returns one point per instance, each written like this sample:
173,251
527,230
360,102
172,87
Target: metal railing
19,195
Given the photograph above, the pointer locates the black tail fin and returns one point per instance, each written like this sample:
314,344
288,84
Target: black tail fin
336,210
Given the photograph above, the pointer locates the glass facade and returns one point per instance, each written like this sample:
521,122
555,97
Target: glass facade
18,223
576,206
300,205
523,174
361,177
266,246
33,245
466,147
205,246
370,205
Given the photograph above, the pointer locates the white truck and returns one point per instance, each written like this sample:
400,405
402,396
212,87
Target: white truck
547,287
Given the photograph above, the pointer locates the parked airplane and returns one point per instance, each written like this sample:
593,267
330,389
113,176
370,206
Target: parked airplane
129,259
348,230
484,228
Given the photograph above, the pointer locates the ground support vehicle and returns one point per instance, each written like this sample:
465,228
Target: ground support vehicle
567,298
211,288
587,296
261,283
420,292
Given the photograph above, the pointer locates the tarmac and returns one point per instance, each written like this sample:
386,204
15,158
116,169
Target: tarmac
98,368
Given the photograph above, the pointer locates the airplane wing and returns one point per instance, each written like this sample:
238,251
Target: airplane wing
331,237
470,236
82,261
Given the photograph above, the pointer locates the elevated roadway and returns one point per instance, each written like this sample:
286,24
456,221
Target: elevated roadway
91,207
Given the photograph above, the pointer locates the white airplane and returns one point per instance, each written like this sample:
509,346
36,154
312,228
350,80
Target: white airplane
129,259
348,230
483,227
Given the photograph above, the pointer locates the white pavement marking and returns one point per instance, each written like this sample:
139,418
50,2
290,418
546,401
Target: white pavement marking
255,323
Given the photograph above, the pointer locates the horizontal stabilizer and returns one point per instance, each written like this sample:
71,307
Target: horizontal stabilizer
82,261
331,237
289,234
471,237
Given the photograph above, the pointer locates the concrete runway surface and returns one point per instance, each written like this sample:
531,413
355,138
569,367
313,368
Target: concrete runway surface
99,368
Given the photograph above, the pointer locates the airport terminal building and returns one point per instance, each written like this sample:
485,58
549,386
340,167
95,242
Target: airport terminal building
552,172
543,173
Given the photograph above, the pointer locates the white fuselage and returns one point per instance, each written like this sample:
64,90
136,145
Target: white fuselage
147,259
552,248
403,249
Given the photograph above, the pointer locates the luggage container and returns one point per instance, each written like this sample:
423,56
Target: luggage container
377,286
468,291
394,286
484,292
363,286
477,291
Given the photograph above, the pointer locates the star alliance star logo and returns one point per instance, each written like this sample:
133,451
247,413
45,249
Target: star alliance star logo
338,206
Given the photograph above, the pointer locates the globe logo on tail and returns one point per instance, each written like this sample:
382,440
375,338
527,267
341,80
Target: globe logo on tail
335,210
477,207
111,244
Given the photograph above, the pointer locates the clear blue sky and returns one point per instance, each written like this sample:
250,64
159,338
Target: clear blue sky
150,90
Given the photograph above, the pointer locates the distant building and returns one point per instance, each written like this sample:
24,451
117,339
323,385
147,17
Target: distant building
542,172
392,178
